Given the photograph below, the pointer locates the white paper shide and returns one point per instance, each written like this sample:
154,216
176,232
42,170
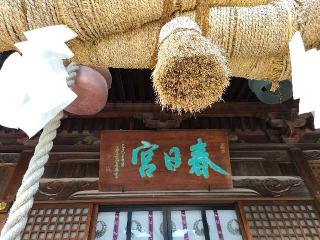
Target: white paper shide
33,87
305,77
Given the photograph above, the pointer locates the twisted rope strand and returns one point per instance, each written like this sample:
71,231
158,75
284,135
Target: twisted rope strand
18,214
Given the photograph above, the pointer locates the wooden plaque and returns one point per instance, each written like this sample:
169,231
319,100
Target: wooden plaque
123,152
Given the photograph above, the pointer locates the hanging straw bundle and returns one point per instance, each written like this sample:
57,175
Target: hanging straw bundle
191,73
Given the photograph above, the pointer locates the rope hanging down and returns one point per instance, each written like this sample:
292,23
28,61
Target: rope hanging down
18,214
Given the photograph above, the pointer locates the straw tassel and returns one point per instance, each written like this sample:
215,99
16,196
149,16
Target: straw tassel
191,73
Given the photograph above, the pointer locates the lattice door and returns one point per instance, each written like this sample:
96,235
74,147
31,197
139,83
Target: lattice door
58,221
285,220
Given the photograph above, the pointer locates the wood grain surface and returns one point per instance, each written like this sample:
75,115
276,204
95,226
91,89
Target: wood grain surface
116,153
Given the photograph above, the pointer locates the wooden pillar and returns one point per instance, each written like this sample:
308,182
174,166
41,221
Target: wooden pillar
306,173
243,222
16,178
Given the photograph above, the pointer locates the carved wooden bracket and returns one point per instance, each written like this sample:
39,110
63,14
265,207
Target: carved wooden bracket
292,130
311,155
161,120
62,189
277,186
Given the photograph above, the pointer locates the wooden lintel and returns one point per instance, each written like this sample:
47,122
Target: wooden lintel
244,187
229,109
96,147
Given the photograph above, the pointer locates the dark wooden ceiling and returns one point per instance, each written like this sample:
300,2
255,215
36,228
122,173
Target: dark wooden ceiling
134,85
131,106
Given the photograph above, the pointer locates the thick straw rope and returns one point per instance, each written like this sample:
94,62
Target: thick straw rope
276,81
202,15
250,36
259,32
91,19
18,214
113,33
169,9
255,39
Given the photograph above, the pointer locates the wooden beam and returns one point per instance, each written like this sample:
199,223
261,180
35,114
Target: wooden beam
56,148
96,147
107,199
230,109
86,188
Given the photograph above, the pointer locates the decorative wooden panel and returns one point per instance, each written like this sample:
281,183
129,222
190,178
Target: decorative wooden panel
273,186
129,158
283,220
65,188
311,154
16,176
315,167
62,221
255,162
6,171
72,165
8,162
